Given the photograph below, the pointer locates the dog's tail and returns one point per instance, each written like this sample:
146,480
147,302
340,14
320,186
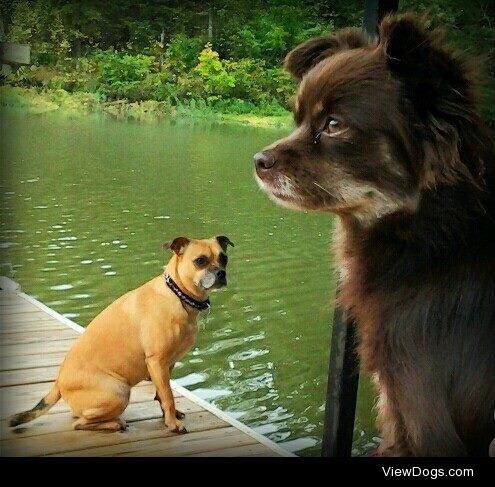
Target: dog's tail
41,408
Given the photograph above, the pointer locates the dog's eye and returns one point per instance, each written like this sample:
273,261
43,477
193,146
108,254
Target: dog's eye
201,261
334,127
332,122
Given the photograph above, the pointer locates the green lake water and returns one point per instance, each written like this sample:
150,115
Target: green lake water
87,202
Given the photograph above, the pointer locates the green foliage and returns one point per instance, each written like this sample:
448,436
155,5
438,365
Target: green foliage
43,28
182,52
257,83
113,49
121,75
471,27
216,80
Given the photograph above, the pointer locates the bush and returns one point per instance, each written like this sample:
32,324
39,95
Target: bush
112,48
22,76
43,28
120,75
182,53
256,83
249,79
216,80
189,78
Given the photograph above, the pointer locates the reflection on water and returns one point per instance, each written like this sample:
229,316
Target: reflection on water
88,202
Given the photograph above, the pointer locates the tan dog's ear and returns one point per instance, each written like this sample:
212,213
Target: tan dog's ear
224,242
178,244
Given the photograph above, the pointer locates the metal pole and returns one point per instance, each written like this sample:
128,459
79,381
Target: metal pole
342,386
374,10
343,370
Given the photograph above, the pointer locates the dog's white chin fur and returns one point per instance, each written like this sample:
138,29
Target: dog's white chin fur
282,193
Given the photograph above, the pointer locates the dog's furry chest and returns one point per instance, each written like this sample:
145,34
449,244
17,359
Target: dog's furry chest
184,334
350,298
368,315
409,306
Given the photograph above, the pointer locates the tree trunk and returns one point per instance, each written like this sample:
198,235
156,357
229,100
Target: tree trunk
2,31
162,48
76,48
210,21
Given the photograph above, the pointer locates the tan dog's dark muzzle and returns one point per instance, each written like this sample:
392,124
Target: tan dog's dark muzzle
221,277
214,278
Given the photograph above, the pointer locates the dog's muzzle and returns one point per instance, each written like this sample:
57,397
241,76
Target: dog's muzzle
221,277
213,278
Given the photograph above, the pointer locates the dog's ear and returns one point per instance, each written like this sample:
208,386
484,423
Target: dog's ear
438,85
224,242
429,70
177,245
308,54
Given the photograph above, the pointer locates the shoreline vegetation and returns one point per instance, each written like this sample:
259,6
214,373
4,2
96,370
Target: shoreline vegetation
217,60
36,102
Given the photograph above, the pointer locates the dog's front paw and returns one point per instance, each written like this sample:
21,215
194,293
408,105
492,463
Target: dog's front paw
178,427
179,414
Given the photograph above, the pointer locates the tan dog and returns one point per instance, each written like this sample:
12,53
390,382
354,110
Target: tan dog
139,336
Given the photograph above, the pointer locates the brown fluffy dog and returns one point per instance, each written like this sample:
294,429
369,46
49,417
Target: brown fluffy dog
388,138
139,336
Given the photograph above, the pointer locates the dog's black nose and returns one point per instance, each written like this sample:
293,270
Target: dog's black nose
264,160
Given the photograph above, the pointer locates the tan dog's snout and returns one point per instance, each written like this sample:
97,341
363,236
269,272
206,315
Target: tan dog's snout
213,278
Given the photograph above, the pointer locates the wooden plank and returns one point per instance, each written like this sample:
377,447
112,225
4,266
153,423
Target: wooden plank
233,422
28,376
34,340
78,442
20,362
255,450
35,348
178,445
21,307
57,423
6,289
40,337
14,399
26,317
44,325
34,375
7,299
8,285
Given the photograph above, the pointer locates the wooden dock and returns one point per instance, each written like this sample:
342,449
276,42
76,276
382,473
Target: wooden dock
33,341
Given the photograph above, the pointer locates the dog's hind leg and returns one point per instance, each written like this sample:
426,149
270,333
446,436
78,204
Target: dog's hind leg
101,418
116,424
98,409
393,436
428,421
434,436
